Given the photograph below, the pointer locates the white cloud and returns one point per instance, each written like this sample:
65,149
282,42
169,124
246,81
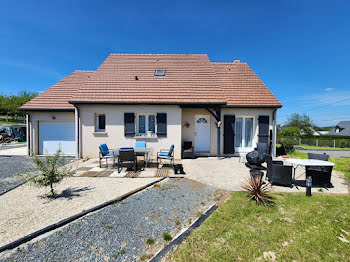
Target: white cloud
329,89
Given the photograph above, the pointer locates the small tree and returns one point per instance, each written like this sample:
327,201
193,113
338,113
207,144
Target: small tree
51,171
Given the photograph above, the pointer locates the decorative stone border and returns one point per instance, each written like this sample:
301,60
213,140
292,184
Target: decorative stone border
183,235
73,218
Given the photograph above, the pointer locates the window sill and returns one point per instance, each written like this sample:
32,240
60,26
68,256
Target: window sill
146,138
100,133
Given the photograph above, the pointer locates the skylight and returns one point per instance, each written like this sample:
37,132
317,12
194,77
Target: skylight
159,72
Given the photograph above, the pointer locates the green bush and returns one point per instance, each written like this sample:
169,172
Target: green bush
290,131
288,144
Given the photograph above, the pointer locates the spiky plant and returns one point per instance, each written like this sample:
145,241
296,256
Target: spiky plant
258,190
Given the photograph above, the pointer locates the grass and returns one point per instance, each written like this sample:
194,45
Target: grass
167,237
342,164
12,121
296,228
150,241
322,147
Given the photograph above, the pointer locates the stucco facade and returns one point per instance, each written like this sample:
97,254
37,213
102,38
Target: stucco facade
33,120
180,127
114,134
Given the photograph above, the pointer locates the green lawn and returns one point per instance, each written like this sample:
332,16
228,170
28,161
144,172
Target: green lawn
341,164
322,147
297,228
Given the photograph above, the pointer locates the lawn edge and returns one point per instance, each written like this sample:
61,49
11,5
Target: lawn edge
185,233
70,219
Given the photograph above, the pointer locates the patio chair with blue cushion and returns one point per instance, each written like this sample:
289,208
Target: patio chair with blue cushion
106,154
166,155
142,144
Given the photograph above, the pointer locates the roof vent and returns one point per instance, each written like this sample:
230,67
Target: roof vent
159,72
237,61
136,78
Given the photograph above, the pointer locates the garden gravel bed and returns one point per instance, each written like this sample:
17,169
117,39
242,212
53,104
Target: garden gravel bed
119,232
9,167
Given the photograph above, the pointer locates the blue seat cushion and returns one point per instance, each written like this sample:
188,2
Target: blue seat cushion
140,144
104,149
163,154
123,148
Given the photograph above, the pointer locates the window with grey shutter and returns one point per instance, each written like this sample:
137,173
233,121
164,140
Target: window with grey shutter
129,124
161,124
263,129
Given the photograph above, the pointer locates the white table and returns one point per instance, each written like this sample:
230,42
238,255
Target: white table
139,151
307,162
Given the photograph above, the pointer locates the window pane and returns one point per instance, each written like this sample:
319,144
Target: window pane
238,137
142,124
101,122
248,132
152,123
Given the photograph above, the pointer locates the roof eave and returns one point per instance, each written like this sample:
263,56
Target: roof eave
146,103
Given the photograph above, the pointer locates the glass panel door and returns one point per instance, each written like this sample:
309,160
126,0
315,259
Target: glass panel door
239,131
142,124
248,137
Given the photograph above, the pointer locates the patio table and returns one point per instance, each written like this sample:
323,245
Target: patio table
307,162
139,151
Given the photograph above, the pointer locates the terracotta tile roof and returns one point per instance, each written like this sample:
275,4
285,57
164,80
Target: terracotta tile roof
242,87
188,79
58,95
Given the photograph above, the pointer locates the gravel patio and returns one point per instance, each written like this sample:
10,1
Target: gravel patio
25,209
10,166
119,232
231,173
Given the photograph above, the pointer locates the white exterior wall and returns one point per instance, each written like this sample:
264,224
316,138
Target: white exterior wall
188,116
114,136
36,117
254,112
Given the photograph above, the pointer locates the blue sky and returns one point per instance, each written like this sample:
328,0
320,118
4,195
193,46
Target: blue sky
300,49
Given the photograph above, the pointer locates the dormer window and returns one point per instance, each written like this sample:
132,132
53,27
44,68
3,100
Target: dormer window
159,72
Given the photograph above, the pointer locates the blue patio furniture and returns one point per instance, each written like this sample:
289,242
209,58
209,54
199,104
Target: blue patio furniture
166,155
140,144
106,154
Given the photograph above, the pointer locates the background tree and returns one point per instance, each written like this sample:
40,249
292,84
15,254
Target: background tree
303,122
290,131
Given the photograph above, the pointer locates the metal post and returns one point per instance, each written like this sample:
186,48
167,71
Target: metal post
316,142
218,119
308,186
333,142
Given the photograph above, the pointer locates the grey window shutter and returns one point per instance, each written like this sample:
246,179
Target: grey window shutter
129,124
264,123
161,124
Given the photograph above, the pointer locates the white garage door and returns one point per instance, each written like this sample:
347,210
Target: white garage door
53,135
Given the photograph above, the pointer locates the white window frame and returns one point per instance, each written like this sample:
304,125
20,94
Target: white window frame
146,124
97,128
244,149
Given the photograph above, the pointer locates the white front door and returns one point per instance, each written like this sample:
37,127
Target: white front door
202,133
54,135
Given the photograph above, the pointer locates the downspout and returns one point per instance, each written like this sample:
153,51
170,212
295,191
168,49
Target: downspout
28,133
273,153
218,125
78,132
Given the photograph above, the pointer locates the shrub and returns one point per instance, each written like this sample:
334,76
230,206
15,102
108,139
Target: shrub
288,144
290,131
167,237
51,171
258,191
150,241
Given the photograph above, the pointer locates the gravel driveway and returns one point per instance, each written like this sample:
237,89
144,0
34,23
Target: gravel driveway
119,232
9,167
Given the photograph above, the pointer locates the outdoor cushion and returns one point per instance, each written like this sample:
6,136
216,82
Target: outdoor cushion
163,154
141,144
171,150
104,149
123,148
